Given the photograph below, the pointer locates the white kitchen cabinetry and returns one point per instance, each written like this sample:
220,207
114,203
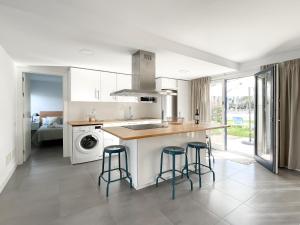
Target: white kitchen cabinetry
109,139
124,82
84,85
166,83
184,95
108,85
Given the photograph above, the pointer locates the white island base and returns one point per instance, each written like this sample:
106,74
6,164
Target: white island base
144,156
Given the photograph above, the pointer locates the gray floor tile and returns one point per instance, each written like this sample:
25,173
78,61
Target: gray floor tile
188,212
48,190
264,216
215,201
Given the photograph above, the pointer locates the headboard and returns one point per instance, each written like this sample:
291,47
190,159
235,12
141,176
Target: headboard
44,114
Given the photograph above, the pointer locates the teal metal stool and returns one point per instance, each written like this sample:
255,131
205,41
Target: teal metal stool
198,146
173,151
110,150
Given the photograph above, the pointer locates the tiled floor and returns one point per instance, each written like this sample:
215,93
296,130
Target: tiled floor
47,190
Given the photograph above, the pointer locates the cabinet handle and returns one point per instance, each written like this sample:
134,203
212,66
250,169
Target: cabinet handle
95,93
98,94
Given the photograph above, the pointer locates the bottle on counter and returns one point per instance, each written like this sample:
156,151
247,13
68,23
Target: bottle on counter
197,116
92,116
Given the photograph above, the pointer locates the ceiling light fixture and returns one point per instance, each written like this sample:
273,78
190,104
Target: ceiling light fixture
85,51
183,71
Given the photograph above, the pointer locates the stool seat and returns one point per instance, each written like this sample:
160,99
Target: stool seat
197,144
114,149
173,150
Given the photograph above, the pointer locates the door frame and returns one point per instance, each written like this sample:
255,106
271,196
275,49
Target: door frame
41,70
273,165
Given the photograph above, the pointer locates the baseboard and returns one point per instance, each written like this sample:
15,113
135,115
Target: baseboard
4,181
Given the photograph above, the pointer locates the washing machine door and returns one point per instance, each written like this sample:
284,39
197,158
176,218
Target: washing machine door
87,143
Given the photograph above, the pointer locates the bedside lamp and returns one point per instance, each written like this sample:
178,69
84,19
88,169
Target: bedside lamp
35,117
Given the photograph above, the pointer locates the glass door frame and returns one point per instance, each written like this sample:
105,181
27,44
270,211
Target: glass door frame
222,81
272,164
224,103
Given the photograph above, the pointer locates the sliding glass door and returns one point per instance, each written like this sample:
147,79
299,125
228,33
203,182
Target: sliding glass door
217,113
232,102
240,115
266,150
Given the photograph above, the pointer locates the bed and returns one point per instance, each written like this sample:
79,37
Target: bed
51,127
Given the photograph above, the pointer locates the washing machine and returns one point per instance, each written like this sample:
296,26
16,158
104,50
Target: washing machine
87,144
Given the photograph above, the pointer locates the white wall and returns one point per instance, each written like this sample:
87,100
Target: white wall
7,118
46,96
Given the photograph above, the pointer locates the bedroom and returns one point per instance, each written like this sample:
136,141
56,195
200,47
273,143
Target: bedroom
44,100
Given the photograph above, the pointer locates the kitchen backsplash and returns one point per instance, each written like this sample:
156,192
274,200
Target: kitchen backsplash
113,110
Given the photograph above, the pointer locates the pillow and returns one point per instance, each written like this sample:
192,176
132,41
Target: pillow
59,120
49,120
44,121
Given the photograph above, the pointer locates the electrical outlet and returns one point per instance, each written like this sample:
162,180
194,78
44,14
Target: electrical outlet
8,159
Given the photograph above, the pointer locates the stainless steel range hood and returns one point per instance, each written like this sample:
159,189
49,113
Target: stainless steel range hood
143,78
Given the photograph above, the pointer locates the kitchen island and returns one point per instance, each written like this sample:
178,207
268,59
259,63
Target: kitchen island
145,146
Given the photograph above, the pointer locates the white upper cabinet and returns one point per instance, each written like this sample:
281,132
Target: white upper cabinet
84,85
108,85
166,83
124,82
184,98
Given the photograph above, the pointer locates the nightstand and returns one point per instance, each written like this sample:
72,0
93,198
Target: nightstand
35,126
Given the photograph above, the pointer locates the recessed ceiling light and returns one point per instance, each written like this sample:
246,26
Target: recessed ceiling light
183,71
85,51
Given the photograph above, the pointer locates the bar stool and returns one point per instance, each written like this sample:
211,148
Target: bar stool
173,151
110,150
208,141
198,146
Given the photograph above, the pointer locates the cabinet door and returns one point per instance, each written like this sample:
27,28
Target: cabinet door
84,85
108,85
124,82
109,139
184,99
166,83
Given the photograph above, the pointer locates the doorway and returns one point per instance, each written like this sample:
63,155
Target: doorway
240,115
232,103
43,116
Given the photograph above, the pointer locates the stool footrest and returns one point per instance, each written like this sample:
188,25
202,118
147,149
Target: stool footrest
115,179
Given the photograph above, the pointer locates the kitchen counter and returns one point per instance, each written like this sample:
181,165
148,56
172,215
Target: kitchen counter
128,134
144,148
113,122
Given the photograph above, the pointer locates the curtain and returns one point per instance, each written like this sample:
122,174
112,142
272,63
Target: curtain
289,113
289,138
201,98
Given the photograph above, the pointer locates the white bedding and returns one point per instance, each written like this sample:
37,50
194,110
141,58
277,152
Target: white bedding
48,133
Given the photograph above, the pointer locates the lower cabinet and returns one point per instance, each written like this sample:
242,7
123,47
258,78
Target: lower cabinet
109,139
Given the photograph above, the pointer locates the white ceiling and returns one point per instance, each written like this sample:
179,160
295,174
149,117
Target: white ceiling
190,38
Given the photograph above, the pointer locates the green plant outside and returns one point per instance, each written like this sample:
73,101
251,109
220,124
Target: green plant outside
234,130
241,130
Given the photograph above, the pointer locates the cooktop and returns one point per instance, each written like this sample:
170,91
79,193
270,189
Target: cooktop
144,126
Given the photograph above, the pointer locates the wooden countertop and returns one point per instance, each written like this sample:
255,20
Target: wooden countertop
101,122
128,134
85,123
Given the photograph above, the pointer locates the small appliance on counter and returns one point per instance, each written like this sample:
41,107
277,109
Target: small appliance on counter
92,116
